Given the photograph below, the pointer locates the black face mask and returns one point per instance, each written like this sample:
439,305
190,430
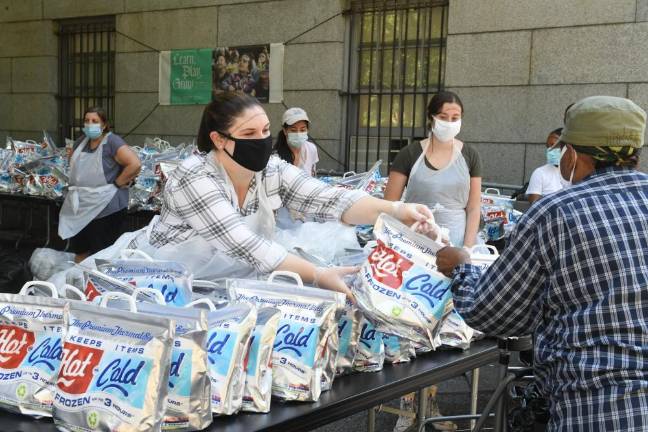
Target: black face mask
252,154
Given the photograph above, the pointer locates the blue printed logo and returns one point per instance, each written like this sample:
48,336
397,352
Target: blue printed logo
253,353
370,338
46,354
167,285
169,290
220,346
344,334
297,340
392,343
180,373
434,291
126,378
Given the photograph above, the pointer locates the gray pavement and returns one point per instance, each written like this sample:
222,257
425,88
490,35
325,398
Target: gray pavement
453,398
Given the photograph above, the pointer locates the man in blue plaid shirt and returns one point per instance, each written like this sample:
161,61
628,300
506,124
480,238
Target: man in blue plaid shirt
575,274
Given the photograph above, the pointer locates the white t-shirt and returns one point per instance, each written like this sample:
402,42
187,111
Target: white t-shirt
546,180
308,157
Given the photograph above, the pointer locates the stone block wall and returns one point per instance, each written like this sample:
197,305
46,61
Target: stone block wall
313,66
518,64
28,71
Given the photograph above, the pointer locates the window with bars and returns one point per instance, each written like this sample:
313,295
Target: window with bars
395,66
86,70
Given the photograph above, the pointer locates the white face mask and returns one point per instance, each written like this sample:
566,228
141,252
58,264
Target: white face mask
296,139
571,175
445,131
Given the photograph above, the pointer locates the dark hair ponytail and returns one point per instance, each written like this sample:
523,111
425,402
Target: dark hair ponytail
219,115
436,103
282,149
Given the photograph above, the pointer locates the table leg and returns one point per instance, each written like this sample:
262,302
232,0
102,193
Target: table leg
48,214
474,393
371,420
422,406
500,407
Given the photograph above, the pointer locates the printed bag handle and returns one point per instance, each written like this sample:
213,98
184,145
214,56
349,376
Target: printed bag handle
159,298
348,174
438,241
492,191
492,249
28,288
205,283
115,295
205,301
129,253
71,288
292,275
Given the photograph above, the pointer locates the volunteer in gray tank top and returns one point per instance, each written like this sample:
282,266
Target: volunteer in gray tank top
441,170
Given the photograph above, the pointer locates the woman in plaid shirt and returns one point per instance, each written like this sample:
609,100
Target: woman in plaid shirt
228,196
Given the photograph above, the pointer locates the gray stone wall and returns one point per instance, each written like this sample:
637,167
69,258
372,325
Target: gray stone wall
313,66
518,64
28,71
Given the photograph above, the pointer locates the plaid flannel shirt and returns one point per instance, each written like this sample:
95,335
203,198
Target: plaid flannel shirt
576,275
198,199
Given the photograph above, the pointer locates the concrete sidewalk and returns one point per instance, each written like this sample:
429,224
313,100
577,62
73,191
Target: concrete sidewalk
453,398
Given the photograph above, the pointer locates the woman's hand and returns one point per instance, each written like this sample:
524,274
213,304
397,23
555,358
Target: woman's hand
433,231
331,278
410,213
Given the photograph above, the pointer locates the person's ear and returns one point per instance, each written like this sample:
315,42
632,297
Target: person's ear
218,140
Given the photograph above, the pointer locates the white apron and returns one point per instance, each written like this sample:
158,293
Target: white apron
88,193
208,263
449,187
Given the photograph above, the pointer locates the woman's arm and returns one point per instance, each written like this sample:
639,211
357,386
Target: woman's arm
366,210
395,186
130,163
310,196
327,278
473,212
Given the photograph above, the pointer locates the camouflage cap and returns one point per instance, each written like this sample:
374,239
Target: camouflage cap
604,121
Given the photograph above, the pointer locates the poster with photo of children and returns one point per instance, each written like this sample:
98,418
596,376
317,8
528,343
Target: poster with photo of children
243,69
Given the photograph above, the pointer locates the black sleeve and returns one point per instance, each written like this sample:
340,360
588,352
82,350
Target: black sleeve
473,160
404,161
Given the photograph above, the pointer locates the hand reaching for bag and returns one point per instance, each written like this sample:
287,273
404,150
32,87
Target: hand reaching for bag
332,278
421,218
410,213
448,258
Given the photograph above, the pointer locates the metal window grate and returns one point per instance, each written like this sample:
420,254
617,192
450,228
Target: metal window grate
86,70
395,66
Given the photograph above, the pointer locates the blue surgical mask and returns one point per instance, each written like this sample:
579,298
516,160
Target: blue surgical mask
553,156
296,139
92,130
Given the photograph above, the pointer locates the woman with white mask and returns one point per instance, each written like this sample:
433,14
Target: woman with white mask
441,170
292,144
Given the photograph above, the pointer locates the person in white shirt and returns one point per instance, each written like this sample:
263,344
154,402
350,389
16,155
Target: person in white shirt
546,179
292,144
